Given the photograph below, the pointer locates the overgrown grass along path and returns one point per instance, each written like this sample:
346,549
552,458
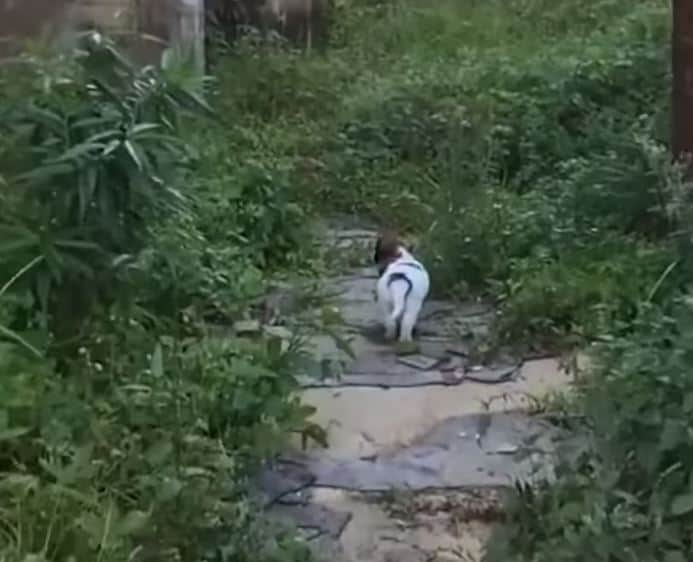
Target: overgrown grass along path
523,142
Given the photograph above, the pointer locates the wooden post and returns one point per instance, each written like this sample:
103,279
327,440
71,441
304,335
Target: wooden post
309,24
682,87
682,120
186,31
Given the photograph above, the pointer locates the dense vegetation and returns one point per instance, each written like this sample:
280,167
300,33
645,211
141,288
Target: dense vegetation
524,141
126,430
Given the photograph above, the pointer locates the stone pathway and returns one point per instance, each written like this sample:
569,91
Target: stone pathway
418,445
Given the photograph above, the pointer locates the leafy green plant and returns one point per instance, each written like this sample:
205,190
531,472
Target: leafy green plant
144,446
7,332
99,154
134,436
255,206
629,495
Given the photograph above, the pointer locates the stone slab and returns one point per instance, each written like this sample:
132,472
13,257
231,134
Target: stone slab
405,376
459,453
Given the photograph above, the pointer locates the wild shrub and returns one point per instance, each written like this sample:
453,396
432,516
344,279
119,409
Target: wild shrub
628,497
549,113
94,160
254,205
570,196
126,430
142,452
270,81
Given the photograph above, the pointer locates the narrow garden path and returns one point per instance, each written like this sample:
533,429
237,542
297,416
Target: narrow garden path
420,445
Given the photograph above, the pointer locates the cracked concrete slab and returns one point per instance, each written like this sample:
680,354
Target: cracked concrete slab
397,415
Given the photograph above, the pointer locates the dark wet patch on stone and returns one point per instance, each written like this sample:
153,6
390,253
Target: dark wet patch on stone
321,519
282,479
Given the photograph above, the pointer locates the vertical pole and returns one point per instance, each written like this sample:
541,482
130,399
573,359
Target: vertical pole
188,31
682,119
682,70
309,24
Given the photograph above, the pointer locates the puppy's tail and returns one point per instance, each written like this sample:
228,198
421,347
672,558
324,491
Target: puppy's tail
400,286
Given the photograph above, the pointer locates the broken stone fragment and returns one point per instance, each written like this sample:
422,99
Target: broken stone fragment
418,361
505,449
246,327
278,332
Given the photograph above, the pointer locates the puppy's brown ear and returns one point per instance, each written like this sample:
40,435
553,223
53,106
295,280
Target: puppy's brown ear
386,248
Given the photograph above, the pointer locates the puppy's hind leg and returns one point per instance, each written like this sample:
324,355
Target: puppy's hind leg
389,323
409,317
399,297
390,328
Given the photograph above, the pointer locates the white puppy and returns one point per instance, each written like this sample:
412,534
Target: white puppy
402,287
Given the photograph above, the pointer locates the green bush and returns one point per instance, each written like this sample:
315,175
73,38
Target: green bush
143,451
95,152
253,204
628,497
591,237
183,270
271,81
568,191
125,429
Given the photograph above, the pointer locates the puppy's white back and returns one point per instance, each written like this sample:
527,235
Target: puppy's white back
413,270
401,291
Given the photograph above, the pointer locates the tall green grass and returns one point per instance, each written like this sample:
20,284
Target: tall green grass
504,132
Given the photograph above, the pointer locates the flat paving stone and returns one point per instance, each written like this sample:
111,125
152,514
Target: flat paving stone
356,288
458,453
409,380
353,233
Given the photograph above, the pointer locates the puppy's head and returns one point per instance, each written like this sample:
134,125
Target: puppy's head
387,250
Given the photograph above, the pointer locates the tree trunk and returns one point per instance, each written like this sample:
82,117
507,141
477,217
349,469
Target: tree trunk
682,87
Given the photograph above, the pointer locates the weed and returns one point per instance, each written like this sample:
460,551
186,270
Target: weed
629,492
